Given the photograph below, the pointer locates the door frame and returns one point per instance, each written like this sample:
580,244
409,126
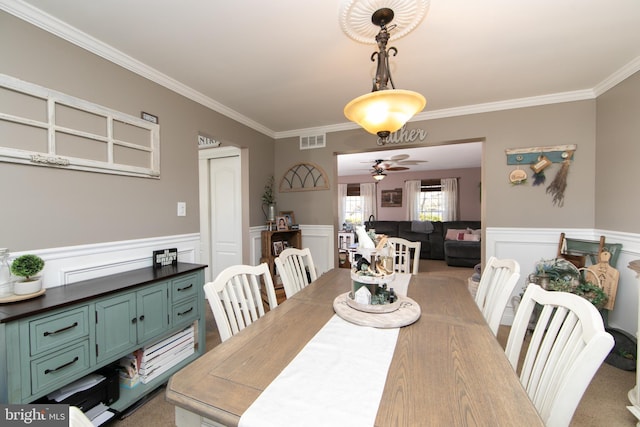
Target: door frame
204,156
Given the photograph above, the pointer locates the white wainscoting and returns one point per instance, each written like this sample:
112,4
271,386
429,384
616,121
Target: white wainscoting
71,264
529,245
320,239
526,245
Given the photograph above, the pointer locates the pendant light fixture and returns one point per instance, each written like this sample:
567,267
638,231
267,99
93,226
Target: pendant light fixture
384,110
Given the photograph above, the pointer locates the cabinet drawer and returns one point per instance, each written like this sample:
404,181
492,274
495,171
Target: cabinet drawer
51,332
185,312
57,368
184,287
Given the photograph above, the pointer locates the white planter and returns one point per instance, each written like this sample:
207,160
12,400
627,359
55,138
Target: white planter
26,288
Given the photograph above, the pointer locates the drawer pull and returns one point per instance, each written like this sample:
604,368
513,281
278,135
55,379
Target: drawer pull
142,318
185,312
46,334
185,288
134,320
48,371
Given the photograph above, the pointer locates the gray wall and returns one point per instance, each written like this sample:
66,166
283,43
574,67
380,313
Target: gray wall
45,207
49,208
504,205
617,204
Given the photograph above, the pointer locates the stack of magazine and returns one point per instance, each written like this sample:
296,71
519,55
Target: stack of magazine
161,356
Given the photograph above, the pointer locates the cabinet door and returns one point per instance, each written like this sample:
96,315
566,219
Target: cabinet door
116,325
153,311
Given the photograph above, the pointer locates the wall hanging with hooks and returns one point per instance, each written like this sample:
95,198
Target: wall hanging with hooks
538,159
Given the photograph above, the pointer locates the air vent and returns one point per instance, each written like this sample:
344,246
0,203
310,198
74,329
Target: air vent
312,141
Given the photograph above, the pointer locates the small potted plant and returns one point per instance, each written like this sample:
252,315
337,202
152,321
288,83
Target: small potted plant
269,200
27,266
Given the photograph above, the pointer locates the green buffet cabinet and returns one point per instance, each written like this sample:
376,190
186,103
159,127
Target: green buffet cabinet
73,330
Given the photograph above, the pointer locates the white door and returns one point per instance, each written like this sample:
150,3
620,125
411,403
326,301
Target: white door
221,209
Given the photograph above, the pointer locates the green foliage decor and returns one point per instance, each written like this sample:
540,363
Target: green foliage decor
268,198
27,266
565,277
586,290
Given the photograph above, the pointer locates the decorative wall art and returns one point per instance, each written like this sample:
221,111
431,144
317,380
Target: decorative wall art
391,198
42,127
304,177
540,159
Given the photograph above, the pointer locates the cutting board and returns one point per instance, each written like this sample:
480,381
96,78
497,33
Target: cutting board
608,277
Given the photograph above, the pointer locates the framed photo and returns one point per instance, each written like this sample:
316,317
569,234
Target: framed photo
289,218
277,248
392,198
281,223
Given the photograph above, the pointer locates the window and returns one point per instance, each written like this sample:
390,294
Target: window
431,200
353,205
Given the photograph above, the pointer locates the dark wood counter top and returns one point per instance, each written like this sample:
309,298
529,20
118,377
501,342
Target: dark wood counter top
78,292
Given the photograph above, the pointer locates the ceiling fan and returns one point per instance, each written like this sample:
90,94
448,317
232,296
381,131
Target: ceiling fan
395,163
398,162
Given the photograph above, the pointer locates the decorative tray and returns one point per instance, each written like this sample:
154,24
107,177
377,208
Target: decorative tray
407,312
371,308
16,298
372,279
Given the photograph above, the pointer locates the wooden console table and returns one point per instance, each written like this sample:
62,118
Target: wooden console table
73,330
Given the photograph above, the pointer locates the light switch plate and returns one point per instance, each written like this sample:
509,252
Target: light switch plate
182,209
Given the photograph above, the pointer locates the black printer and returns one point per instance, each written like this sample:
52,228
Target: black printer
106,391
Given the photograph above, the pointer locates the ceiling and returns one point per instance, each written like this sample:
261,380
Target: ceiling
439,157
287,68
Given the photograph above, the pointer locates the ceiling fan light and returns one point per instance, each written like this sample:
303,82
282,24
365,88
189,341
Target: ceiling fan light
384,110
379,176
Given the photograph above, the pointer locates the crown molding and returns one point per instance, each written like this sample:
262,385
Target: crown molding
488,107
71,34
617,77
54,26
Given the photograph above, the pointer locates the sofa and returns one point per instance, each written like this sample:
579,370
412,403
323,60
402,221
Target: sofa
456,242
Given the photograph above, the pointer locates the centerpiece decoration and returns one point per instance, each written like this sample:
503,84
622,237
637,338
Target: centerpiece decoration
372,300
371,290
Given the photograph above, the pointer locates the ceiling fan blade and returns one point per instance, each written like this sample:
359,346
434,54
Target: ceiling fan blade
399,157
397,168
412,162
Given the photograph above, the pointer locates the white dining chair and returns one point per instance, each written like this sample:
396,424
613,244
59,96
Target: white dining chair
406,258
77,418
296,269
497,281
566,349
235,298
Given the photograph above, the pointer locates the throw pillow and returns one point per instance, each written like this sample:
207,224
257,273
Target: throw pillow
454,234
471,237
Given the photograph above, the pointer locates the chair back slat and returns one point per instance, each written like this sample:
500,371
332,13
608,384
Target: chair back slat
566,348
296,269
235,297
497,282
406,255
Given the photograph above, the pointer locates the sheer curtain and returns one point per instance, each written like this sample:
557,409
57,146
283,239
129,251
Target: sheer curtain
450,192
342,198
412,190
368,195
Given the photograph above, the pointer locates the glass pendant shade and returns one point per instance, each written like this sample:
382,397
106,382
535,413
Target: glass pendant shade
384,111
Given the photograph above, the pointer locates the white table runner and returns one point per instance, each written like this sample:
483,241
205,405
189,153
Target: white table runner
337,379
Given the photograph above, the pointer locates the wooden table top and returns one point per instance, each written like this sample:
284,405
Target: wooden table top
448,368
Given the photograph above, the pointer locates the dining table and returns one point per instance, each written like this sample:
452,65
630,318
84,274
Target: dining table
445,369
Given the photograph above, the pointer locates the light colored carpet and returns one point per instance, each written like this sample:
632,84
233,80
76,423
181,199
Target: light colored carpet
603,404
